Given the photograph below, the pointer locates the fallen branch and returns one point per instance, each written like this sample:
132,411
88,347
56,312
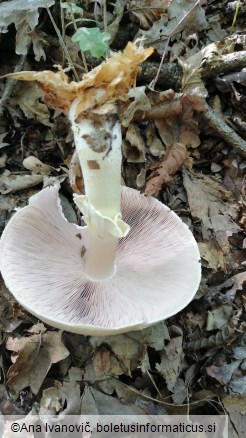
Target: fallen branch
225,64
224,131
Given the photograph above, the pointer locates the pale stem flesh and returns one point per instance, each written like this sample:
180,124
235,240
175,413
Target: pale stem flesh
98,143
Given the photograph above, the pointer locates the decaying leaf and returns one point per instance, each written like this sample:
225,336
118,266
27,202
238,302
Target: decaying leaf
195,16
237,385
27,97
63,398
138,100
213,254
11,315
223,373
235,408
25,15
226,335
134,146
193,66
103,365
175,22
212,204
127,350
36,166
118,12
158,33
216,32
36,354
10,183
192,70
146,12
179,391
232,285
218,317
141,179
165,169
154,336
181,127
97,403
154,144
171,358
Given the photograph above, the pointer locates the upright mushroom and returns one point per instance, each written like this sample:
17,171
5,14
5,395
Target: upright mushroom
112,285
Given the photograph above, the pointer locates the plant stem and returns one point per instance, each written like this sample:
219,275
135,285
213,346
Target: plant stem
105,18
235,16
76,28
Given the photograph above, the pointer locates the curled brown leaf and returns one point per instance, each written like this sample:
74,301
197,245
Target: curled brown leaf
165,169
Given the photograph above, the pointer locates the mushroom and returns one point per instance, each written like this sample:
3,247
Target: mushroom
43,263
136,262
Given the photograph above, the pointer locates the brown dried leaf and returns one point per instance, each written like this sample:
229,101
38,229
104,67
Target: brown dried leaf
165,169
61,394
141,179
36,354
212,204
233,284
235,407
146,12
181,127
218,317
154,144
25,15
226,335
103,365
171,358
128,351
134,147
138,101
97,403
224,373
36,166
163,28
213,255
27,97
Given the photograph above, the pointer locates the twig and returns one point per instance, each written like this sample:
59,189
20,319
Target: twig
10,85
62,21
63,45
227,133
105,18
174,31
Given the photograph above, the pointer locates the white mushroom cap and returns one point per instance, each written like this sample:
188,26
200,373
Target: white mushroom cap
157,267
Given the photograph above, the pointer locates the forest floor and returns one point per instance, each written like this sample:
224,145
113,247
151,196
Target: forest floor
184,142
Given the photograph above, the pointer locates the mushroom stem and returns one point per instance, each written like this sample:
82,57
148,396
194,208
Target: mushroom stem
98,143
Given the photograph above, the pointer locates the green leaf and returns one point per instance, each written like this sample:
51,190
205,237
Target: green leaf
75,8
92,40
